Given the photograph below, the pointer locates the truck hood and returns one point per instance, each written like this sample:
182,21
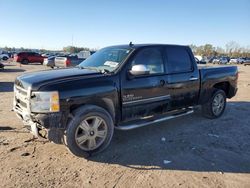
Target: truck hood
36,79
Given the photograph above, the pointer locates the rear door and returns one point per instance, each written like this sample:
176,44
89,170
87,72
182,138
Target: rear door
145,95
183,76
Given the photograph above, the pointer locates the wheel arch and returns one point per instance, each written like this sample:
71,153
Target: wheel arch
105,103
225,86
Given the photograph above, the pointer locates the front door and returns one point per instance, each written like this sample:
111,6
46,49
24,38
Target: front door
145,95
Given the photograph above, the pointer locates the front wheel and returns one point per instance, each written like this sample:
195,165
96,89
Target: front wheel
215,107
89,131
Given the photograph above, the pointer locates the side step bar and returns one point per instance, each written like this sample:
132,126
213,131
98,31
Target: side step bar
135,125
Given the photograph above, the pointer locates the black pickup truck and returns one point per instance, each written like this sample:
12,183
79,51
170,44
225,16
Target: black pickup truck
122,87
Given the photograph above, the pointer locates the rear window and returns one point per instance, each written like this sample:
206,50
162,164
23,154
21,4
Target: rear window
177,59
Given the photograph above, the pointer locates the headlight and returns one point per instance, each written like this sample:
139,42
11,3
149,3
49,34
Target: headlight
44,102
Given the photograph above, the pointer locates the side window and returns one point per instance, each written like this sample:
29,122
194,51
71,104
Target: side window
178,59
151,58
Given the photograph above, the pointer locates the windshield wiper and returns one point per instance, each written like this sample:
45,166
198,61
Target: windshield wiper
90,68
103,71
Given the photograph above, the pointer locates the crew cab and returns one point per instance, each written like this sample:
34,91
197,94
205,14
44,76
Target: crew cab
28,57
122,87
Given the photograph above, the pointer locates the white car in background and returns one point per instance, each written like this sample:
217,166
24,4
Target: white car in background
233,60
223,60
237,60
241,60
4,56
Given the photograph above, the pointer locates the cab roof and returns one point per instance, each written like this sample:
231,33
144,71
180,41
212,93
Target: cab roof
136,46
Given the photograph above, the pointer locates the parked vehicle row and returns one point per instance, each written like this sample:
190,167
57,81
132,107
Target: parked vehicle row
222,60
52,60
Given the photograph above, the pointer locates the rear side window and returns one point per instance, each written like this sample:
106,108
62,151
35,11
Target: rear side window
178,59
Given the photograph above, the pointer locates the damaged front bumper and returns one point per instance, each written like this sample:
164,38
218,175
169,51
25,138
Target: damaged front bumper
25,117
43,125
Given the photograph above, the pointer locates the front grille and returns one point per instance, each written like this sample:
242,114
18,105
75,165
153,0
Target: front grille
21,98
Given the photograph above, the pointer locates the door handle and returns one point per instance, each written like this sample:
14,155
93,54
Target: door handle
193,78
162,82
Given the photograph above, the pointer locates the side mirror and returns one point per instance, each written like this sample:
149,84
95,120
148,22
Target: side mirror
138,70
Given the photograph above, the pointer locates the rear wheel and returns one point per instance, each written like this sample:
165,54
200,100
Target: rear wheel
215,107
89,131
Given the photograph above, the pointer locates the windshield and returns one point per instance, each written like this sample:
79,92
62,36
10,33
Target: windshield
106,59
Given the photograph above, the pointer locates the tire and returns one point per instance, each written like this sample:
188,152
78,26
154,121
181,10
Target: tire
82,127
5,58
25,61
209,109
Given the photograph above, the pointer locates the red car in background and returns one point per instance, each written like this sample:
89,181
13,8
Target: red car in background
28,57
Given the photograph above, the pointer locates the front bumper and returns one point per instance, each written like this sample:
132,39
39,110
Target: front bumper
43,125
27,121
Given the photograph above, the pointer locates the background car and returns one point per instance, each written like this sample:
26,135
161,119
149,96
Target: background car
216,60
4,56
247,61
233,60
67,61
202,61
223,60
28,57
240,60
49,61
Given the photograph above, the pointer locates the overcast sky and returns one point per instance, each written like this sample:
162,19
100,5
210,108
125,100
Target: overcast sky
53,24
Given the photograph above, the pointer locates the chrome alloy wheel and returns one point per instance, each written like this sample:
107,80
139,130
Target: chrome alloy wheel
91,133
218,104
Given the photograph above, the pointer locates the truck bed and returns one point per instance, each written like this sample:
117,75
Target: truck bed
209,75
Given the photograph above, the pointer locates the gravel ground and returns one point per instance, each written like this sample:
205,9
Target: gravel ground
190,151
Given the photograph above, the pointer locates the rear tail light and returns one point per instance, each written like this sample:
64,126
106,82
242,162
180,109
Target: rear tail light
68,62
15,57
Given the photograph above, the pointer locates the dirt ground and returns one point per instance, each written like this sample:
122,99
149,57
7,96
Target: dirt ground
190,151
